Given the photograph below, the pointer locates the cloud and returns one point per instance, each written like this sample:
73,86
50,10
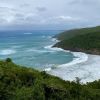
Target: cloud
59,20
66,18
6,15
24,5
87,2
41,9
14,16
49,12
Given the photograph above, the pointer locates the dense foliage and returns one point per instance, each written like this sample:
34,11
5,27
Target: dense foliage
74,32
87,42
20,83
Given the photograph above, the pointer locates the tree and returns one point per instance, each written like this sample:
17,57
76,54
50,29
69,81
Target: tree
8,60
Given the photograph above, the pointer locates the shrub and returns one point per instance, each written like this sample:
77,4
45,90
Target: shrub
8,60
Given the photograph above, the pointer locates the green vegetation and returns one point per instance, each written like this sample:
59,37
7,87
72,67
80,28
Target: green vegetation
20,83
74,32
83,40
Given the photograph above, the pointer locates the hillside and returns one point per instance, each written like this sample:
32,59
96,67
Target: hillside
71,33
82,40
20,83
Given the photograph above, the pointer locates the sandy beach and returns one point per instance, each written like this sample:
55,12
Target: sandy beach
87,70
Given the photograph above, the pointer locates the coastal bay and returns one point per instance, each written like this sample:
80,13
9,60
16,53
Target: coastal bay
85,45
87,71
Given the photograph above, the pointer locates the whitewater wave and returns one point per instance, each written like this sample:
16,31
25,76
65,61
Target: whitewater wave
87,71
54,48
50,47
79,57
54,40
7,52
48,69
27,33
52,66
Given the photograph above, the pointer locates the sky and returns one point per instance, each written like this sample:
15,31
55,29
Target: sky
48,14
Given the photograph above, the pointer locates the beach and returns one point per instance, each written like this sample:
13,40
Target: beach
87,70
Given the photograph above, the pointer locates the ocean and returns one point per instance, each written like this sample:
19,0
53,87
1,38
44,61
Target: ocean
33,49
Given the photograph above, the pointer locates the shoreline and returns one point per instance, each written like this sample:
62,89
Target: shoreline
79,56
92,51
87,70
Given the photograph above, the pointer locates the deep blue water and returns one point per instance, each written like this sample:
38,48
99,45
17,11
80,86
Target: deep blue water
32,48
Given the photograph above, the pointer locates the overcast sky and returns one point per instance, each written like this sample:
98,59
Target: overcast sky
48,14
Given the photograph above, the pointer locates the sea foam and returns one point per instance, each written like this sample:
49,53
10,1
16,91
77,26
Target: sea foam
79,56
27,33
87,71
7,52
53,48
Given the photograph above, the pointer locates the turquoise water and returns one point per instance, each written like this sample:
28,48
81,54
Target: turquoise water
32,48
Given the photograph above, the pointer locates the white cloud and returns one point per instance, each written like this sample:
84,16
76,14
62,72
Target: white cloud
43,12
66,18
11,15
59,20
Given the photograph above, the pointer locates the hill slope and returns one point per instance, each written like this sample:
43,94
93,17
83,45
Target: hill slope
71,33
20,83
82,40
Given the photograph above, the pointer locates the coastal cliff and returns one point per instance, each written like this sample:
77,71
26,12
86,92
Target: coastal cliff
85,40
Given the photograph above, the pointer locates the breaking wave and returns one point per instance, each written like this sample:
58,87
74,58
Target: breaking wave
27,33
79,57
7,52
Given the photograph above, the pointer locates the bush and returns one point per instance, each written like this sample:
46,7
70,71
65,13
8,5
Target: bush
8,60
